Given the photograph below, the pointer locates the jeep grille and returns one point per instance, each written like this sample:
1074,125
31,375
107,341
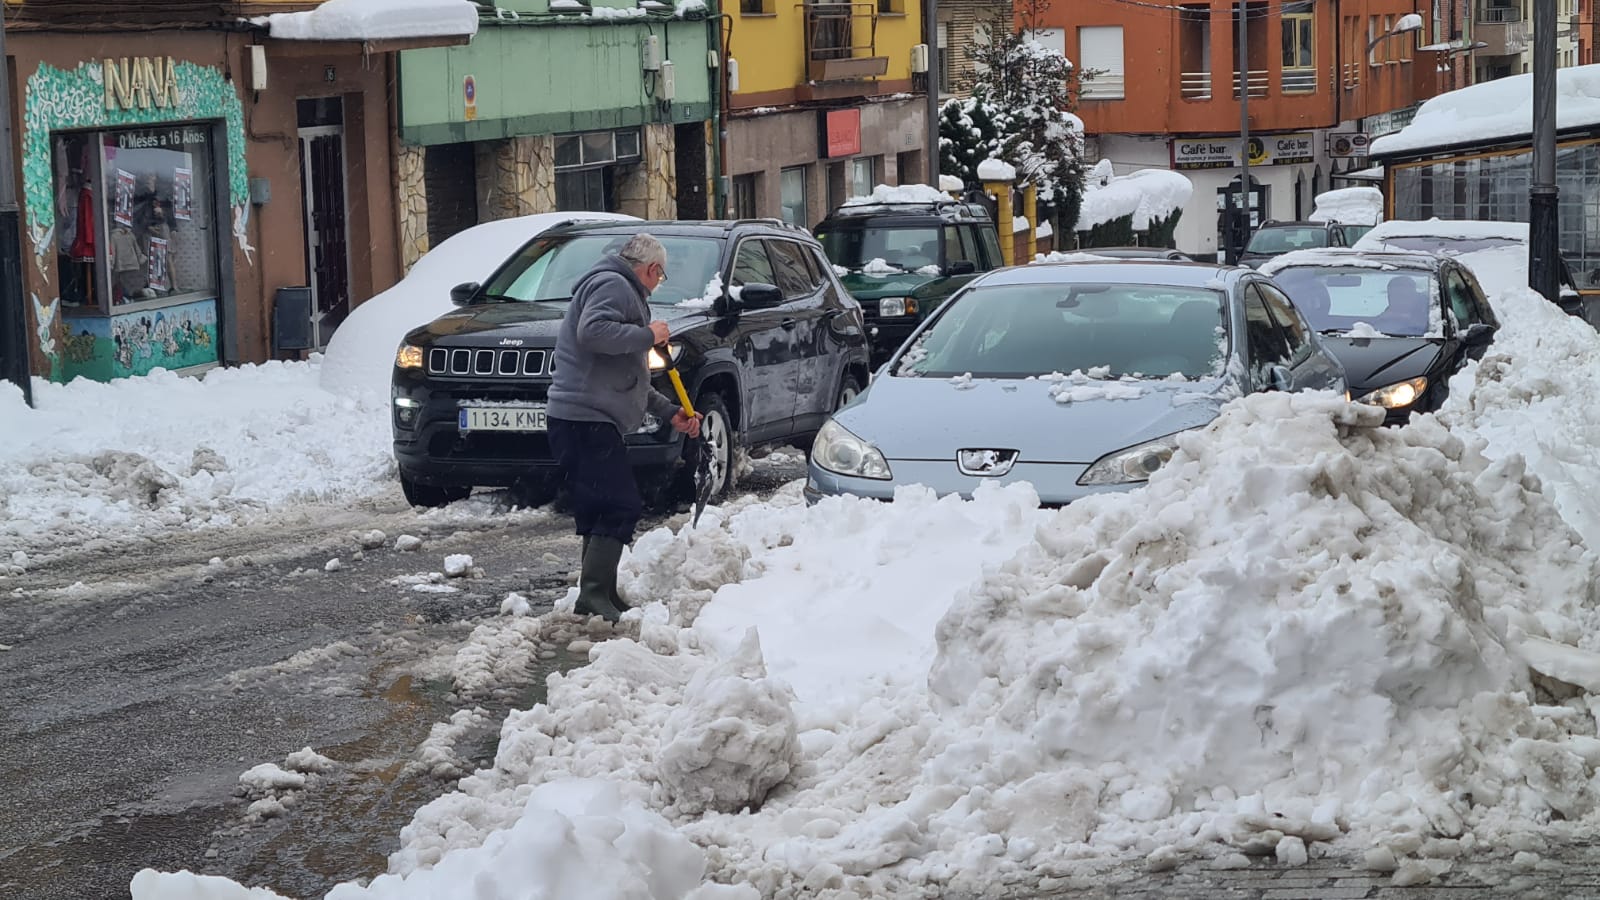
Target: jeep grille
487,363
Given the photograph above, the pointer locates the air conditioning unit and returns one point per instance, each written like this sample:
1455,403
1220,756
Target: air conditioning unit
669,83
652,53
919,58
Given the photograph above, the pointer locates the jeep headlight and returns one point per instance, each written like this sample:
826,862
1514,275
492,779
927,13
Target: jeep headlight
659,362
408,357
1131,465
1398,395
842,453
891,307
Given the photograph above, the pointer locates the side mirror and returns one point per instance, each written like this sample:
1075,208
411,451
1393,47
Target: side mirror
1279,378
1477,334
961,267
462,294
760,296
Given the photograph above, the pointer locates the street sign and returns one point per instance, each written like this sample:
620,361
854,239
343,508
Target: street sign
1349,144
469,93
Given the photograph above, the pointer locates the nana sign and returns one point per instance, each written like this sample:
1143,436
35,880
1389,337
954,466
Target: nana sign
1265,150
140,82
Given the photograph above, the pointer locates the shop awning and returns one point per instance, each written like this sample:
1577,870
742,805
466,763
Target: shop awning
381,25
1373,174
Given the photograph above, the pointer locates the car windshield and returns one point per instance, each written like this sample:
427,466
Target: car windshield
908,248
1285,239
1017,331
1450,246
548,268
1341,299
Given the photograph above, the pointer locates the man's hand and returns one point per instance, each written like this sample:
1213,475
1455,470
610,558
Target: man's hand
686,423
659,329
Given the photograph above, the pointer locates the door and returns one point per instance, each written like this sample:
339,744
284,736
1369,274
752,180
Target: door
761,347
1266,349
322,180
1464,308
1312,367
810,372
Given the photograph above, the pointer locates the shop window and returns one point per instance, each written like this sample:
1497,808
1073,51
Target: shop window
792,189
863,173
135,222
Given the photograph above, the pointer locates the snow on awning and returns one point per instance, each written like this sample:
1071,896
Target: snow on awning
376,20
1495,110
1374,173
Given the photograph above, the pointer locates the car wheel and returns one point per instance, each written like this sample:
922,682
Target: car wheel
430,495
718,434
849,390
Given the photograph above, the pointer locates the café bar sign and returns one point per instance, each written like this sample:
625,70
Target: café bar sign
1222,153
140,82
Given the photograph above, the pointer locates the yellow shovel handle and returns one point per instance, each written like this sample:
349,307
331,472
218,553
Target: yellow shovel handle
683,395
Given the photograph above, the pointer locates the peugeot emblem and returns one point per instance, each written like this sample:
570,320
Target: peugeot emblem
985,463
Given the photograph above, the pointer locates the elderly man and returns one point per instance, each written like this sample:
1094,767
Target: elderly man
601,392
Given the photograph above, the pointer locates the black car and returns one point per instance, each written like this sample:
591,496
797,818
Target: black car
902,259
1145,253
766,339
1402,323
1276,238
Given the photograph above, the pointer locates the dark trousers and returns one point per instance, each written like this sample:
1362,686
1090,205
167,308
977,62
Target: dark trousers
600,485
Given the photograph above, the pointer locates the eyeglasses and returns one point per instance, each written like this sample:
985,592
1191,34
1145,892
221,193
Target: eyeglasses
662,270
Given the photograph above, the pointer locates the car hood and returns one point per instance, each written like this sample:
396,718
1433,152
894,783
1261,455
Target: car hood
487,324
871,287
932,418
1372,363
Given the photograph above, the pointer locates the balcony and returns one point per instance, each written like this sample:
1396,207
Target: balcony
1259,80
841,42
1502,29
1195,85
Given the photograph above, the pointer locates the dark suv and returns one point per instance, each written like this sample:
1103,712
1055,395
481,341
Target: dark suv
768,343
1277,238
901,260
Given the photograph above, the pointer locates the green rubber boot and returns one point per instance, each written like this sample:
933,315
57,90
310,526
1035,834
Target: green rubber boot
597,580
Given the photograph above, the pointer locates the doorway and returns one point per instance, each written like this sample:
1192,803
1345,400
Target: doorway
323,182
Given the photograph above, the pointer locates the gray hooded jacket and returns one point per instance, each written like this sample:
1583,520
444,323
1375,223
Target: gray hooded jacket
602,373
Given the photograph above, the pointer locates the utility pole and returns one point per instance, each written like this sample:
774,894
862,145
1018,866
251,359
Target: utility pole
13,315
930,36
1544,231
1242,219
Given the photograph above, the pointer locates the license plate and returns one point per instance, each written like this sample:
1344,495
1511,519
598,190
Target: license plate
501,418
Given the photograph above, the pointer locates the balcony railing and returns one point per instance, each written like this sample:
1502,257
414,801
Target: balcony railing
1497,15
841,42
1196,85
1299,81
1103,86
1507,38
1351,75
1258,83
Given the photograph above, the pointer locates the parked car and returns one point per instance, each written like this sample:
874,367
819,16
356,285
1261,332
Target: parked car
900,260
1076,377
1457,237
1151,253
767,359
1275,238
1401,323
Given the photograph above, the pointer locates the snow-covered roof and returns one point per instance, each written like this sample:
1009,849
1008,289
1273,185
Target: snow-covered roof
903,193
375,20
1147,195
1349,206
1494,110
1348,258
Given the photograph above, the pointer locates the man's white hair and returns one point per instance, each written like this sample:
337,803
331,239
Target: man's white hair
643,250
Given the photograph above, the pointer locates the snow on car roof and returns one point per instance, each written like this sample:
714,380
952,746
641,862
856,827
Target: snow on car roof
1345,256
1497,109
1349,206
1116,271
904,193
1459,229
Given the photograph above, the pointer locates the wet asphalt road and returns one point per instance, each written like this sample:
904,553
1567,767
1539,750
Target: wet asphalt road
143,679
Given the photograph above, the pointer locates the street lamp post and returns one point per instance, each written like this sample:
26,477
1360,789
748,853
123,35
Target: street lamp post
930,37
1543,216
1241,217
13,315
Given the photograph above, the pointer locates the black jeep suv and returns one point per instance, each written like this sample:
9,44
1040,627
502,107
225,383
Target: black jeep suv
766,339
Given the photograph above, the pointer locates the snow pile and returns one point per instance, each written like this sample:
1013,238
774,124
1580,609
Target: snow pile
951,183
615,12
708,298
1502,108
1019,224
1349,206
904,193
375,20
1079,386
880,266
996,170
1148,195
1062,256
360,356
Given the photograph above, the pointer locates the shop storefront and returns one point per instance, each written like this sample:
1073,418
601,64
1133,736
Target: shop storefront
133,176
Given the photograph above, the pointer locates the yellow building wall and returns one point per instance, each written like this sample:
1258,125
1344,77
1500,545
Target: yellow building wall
771,49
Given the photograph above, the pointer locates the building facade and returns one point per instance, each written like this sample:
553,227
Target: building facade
965,25
822,105
558,105
178,170
1315,71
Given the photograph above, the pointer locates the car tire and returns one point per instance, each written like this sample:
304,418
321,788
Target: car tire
430,495
849,390
717,428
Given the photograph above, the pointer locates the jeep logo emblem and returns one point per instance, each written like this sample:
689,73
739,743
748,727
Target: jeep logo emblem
511,342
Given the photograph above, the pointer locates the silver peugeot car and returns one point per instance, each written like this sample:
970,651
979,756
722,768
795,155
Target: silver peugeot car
1075,377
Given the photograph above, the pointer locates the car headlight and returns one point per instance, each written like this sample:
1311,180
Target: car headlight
408,357
842,453
890,307
1131,465
659,362
1398,395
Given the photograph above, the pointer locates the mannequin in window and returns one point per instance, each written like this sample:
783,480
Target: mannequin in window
128,261
83,251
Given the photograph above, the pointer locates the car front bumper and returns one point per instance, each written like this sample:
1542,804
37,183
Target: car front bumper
1056,483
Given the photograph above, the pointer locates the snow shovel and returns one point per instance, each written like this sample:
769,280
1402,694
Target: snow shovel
702,465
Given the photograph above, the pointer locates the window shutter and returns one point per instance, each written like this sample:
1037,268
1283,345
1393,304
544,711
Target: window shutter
1100,51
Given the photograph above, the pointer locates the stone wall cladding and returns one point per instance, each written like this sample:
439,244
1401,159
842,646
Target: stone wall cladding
412,203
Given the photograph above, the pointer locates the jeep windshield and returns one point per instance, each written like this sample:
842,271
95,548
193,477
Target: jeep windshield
904,249
548,268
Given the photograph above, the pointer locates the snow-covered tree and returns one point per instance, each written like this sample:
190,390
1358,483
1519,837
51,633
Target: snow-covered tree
968,135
